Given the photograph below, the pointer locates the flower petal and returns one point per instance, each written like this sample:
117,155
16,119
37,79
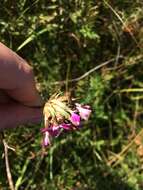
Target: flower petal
54,130
84,111
43,130
66,126
46,140
75,119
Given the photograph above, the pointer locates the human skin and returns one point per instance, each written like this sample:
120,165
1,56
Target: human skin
20,102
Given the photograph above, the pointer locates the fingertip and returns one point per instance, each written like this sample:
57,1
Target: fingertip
35,102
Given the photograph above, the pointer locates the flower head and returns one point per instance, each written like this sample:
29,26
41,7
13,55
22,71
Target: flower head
59,116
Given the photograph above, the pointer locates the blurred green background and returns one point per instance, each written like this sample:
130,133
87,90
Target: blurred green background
65,40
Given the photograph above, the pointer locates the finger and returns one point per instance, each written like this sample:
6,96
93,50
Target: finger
17,78
26,95
14,114
4,98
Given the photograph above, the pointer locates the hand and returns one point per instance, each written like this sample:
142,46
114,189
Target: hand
20,102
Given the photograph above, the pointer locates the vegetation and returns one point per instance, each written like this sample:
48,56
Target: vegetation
94,50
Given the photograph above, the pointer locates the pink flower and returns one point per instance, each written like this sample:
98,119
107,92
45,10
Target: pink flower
84,111
49,132
54,130
75,119
66,126
46,140
43,130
